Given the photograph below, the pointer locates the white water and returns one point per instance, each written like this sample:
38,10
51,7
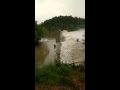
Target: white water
78,34
43,40
71,50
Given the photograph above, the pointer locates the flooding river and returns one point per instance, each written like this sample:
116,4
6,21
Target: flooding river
45,51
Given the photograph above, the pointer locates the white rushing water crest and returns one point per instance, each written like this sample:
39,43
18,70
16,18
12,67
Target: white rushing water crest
72,51
43,40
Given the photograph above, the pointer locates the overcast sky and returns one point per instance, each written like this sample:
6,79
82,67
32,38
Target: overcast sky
46,9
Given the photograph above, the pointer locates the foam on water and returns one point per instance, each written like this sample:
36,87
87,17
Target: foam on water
71,50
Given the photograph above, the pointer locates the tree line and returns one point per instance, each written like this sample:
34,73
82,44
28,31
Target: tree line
64,23
57,23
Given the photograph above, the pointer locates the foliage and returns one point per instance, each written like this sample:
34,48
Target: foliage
59,74
64,22
54,75
82,76
39,32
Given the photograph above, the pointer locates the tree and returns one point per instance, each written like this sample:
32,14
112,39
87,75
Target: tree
63,22
44,32
39,32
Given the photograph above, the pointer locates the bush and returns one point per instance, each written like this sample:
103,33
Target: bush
82,76
81,67
39,33
54,75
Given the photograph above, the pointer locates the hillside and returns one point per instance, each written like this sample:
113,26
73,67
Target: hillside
63,23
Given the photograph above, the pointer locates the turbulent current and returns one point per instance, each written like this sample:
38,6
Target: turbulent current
72,50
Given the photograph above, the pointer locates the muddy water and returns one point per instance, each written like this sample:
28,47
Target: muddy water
45,51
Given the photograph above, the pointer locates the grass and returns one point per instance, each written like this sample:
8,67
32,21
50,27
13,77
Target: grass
82,76
81,67
61,75
54,75
58,74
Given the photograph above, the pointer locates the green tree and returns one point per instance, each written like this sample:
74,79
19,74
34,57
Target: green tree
44,32
39,32
64,22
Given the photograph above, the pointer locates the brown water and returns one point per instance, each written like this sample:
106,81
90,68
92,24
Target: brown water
45,51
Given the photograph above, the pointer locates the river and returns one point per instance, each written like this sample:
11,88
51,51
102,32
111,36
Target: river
45,51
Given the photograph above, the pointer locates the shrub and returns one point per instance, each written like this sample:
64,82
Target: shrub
82,76
54,75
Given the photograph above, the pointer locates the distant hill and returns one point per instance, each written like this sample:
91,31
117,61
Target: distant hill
64,23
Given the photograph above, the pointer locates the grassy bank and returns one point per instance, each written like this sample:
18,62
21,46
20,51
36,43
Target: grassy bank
60,75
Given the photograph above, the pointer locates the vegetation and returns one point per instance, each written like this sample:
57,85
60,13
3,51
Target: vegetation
62,75
57,23
54,75
57,58
54,46
82,76
63,22
59,74
39,32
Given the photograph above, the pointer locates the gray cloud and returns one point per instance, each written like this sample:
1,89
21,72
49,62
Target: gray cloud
46,9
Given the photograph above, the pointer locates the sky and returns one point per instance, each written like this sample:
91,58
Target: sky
46,9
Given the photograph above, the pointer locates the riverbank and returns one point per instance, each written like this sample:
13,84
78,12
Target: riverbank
60,77
45,51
